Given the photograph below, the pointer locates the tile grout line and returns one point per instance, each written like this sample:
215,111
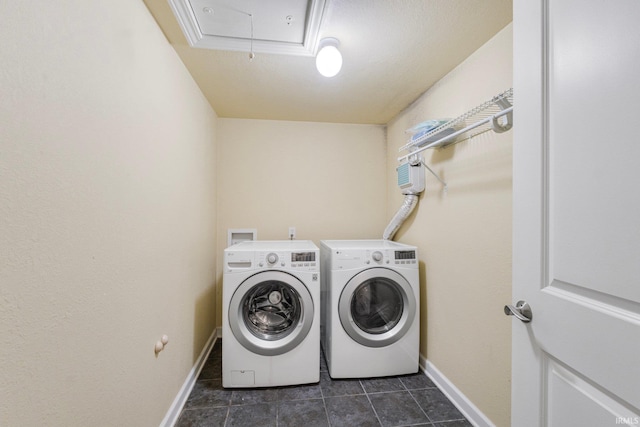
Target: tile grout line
420,406
324,404
226,417
371,403
417,403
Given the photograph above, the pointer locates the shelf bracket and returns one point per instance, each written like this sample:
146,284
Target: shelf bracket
507,119
436,175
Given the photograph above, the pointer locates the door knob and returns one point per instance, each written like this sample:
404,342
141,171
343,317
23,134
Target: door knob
522,311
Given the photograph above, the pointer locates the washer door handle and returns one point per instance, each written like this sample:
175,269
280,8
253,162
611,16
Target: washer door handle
522,311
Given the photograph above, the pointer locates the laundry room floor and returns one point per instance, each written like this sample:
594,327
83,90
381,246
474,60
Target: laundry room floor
406,400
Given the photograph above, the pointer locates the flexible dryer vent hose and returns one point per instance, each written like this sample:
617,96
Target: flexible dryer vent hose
410,202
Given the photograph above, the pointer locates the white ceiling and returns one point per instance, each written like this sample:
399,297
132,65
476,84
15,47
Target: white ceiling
393,51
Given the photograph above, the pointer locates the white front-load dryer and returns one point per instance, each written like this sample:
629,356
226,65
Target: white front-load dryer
271,314
370,308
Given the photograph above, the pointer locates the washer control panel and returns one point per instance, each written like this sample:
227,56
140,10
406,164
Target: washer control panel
294,255
300,261
303,261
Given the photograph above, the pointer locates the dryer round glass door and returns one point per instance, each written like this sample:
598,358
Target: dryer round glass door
271,312
377,307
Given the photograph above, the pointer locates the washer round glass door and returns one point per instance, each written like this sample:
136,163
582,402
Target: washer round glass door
377,307
271,312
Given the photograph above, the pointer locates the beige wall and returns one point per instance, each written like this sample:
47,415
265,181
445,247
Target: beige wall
107,214
464,235
328,180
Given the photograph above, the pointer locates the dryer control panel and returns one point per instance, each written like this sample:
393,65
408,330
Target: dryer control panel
405,257
389,256
352,258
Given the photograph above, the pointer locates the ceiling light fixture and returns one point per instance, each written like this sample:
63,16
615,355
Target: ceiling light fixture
328,58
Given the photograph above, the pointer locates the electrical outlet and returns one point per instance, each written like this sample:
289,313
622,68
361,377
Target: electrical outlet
292,233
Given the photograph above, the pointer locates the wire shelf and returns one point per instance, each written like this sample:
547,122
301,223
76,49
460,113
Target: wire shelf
495,114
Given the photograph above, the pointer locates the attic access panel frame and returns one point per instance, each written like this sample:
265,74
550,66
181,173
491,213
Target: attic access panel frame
297,35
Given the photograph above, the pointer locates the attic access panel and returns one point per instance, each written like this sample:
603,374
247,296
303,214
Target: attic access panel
279,26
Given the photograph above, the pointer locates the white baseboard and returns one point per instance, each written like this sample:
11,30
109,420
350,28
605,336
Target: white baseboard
173,414
464,405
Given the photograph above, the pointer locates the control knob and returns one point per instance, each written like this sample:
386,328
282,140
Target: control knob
272,258
377,256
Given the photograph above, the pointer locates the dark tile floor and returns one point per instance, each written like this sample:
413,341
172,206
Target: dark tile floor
407,400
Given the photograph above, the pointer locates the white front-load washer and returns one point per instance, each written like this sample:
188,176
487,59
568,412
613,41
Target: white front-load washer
271,314
370,299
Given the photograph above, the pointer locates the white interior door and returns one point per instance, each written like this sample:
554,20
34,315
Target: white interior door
576,247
